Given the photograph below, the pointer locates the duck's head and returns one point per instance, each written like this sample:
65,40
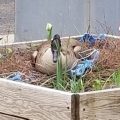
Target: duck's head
55,47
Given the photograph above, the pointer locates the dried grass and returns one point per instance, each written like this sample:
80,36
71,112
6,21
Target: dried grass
20,60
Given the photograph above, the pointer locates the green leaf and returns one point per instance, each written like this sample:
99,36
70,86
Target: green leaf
9,50
97,85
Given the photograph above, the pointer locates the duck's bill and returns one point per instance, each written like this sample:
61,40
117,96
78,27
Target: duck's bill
55,56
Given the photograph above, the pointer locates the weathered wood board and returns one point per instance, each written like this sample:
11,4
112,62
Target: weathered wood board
100,105
34,102
7,117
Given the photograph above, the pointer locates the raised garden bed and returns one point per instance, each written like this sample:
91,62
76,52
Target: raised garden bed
25,101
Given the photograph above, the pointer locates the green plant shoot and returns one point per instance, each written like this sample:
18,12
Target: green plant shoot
59,69
49,31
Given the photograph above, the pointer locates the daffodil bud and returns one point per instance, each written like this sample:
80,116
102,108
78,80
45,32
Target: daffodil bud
48,27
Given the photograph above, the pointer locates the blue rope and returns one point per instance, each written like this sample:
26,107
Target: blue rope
81,68
91,39
86,64
15,77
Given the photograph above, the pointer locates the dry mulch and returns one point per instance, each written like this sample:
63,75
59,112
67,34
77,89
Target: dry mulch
20,60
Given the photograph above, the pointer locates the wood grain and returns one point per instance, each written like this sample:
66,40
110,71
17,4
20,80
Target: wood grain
7,117
34,102
101,105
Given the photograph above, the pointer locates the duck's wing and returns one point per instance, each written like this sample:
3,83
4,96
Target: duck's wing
43,48
70,42
33,58
68,45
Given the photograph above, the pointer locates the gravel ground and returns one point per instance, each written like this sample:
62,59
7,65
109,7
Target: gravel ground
7,16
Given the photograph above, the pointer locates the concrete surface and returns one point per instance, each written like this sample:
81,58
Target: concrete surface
69,17
7,16
5,39
66,16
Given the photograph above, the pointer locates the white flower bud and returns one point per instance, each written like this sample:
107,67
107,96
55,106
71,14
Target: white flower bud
48,26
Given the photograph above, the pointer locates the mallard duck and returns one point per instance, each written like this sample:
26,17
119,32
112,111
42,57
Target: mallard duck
45,57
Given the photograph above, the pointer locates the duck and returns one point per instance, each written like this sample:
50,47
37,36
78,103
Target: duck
45,58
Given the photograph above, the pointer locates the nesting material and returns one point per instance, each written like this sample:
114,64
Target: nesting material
20,60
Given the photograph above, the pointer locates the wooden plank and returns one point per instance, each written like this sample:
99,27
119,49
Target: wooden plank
7,117
100,105
29,43
34,102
